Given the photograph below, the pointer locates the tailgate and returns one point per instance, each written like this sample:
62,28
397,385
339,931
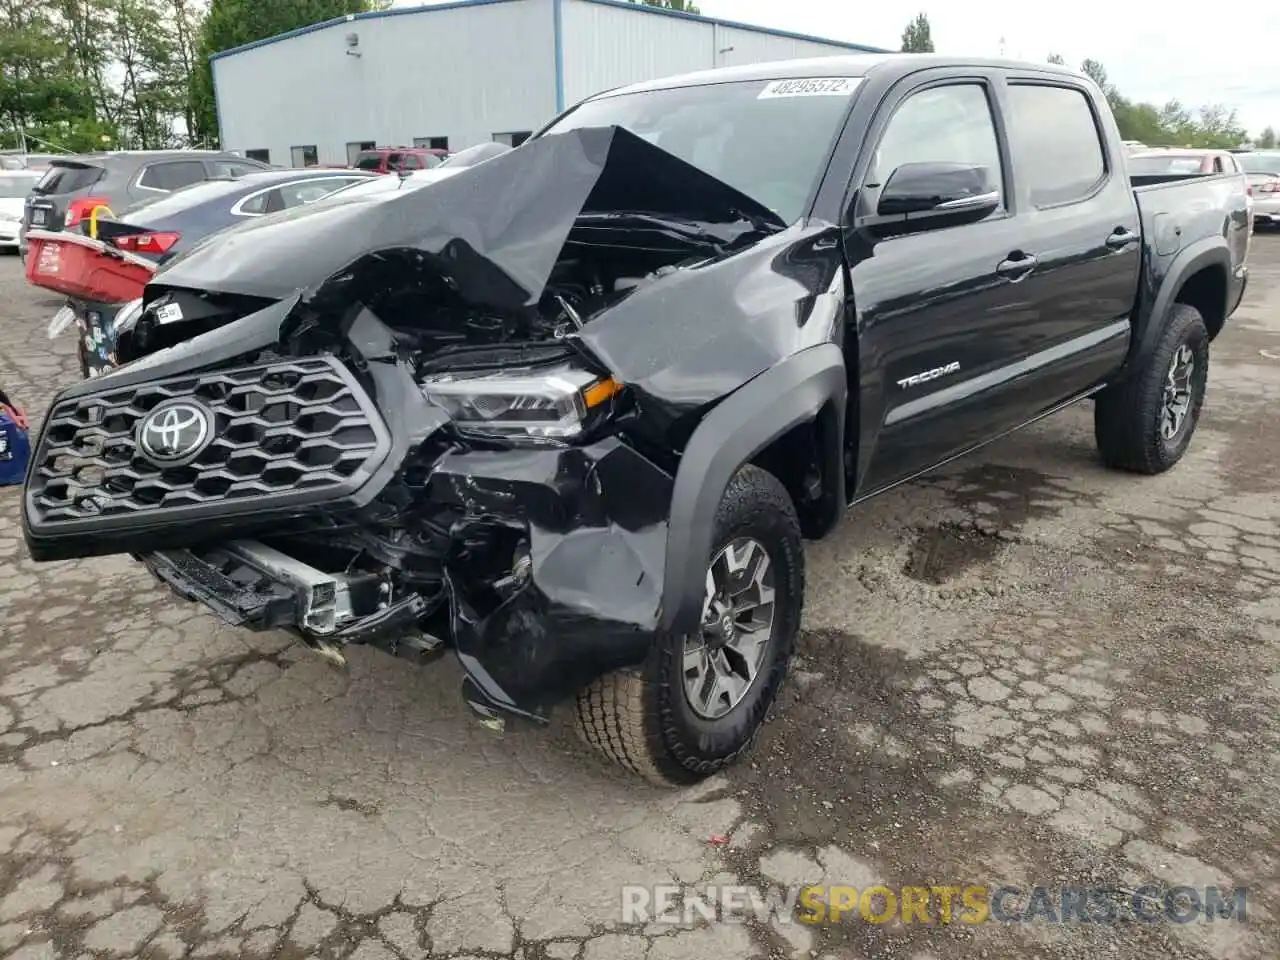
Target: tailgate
85,269
63,181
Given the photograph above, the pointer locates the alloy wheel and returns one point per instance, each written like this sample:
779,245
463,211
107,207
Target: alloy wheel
722,660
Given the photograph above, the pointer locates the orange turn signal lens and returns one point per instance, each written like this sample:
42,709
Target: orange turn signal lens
601,391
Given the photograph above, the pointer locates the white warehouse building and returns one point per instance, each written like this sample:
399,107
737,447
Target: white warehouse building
456,74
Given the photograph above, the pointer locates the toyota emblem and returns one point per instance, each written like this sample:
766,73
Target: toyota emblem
175,432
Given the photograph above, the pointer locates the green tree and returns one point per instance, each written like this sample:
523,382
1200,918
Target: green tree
1097,73
231,23
1173,124
1218,126
916,38
684,6
41,93
1057,58
1267,139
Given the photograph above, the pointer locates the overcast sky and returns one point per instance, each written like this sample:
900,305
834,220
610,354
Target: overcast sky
1152,50
1196,52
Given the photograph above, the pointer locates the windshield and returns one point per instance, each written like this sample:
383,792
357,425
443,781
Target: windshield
369,161
767,138
1158,165
15,187
1259,162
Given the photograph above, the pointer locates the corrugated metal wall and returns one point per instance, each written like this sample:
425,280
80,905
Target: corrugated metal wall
464,73
608,46
736,46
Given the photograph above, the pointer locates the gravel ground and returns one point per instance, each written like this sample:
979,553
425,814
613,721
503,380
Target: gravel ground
1022,670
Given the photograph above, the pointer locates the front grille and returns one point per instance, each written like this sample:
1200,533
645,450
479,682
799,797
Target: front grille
285,432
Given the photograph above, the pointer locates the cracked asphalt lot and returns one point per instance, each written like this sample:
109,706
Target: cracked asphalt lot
1022,670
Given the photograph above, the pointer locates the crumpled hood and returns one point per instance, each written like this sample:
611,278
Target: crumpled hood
495,229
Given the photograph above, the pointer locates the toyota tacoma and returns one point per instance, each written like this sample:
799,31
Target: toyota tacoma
572,413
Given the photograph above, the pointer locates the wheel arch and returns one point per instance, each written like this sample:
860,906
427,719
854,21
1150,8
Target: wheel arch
1198,276
801,400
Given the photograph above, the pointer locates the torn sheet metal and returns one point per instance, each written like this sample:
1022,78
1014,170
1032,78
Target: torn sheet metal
496,229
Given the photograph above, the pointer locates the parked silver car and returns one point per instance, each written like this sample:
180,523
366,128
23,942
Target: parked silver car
1263,170
15,185
73,186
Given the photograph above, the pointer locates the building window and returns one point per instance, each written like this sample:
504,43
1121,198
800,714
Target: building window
431,143
354,149
512,139
304,156
262,156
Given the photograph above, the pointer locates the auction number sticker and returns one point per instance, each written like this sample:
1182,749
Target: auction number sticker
813,87
168,313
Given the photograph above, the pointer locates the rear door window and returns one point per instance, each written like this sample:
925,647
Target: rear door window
1056,142
172,174
309,191
232,168
259,202
294,194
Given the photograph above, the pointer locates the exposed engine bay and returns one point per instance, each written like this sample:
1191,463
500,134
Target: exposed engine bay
420,445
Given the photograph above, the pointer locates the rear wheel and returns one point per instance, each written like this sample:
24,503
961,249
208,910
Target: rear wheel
1145,424
698,701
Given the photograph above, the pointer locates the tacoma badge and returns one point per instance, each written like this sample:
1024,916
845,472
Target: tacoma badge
918,378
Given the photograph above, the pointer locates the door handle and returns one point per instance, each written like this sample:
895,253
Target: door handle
1014,269
1121,238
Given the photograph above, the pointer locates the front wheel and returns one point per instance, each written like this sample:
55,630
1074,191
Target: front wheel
1144,424
698,701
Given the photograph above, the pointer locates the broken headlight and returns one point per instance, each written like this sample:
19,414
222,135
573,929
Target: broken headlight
126,317
549,403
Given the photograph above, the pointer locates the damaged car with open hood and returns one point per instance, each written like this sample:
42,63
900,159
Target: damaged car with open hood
571,413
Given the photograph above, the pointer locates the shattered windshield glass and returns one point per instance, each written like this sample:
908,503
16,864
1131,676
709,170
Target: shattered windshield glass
763,137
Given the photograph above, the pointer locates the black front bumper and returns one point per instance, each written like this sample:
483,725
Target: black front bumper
554,570
240,602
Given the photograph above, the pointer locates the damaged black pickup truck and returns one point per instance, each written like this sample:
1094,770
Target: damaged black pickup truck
571,412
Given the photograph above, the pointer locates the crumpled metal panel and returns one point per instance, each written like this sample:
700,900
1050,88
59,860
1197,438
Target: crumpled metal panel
495,229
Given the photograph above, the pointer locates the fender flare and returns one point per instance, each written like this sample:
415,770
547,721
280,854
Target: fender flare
766,407
1211,251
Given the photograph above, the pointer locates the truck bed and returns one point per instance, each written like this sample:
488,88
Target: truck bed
1183,217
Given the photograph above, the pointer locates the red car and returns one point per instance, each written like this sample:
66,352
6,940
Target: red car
1185,161
399,159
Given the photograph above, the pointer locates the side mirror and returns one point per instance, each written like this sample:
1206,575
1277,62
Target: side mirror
955,192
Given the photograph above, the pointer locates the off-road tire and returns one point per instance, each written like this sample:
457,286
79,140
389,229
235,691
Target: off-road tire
640,717
1127,416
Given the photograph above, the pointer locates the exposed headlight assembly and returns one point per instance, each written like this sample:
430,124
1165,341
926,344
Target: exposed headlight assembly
548,403
126,317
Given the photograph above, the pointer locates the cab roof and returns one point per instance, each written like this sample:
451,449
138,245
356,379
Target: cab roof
850,65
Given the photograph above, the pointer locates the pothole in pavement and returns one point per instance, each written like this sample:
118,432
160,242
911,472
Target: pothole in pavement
941,554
